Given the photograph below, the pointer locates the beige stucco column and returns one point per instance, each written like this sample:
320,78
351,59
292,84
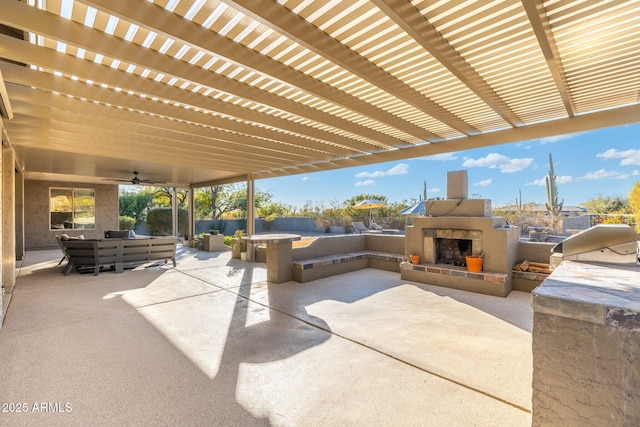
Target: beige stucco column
19,215
251,216
251,206
8,219
191,212
174,211
2,229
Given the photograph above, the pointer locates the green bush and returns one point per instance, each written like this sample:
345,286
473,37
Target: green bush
127,222
159,221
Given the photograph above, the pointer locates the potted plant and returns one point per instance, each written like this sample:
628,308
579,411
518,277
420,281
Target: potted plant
238,245
415,258
214,232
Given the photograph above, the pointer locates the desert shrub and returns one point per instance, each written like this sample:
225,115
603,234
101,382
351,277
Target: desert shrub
159,221
126,222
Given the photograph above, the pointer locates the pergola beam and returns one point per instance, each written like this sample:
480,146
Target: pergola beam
100,116
30,19
405,15
540,25
282,20
269,138
581,123
27,53
153,17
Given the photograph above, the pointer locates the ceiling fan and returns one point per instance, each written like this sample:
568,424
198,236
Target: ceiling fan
137,181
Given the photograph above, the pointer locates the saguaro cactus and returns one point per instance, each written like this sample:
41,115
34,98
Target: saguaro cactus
552,194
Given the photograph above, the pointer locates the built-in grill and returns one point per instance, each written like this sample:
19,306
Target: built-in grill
603,243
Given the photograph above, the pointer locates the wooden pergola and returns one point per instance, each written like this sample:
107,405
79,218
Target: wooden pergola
194,92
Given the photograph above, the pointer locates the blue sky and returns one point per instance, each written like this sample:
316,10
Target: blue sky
604,162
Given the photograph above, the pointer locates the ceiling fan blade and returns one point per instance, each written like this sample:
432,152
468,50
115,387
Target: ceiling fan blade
135,180
116,180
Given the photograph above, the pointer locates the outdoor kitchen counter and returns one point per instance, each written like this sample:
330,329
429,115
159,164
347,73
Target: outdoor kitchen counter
586,345
279,254
597,293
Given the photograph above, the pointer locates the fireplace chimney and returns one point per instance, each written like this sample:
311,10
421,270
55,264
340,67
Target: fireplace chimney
457,187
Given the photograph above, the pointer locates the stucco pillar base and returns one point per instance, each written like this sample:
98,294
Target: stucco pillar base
586,347
279,257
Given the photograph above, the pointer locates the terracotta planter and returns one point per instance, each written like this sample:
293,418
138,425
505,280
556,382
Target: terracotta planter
474,264
415,259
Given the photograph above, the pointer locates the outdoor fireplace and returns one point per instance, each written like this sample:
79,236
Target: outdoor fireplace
455,228
452,251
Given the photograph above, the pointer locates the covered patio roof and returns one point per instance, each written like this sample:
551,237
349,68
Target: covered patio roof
201,92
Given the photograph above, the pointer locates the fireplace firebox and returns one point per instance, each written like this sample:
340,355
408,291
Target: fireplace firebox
453,251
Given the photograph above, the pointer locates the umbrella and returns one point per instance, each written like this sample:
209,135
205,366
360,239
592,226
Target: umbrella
369,204
417,209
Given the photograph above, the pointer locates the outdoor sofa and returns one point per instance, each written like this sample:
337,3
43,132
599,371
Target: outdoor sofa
115,253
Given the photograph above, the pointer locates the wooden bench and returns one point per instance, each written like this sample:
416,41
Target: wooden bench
331,265
116,254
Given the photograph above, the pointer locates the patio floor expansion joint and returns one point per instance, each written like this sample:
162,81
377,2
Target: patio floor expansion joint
391,356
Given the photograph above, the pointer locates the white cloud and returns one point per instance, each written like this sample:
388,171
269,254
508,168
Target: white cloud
629,157
433,190
441,157
552,139
498,161
483,183
604,174
538,182
399,169
306,178
365,183
564,179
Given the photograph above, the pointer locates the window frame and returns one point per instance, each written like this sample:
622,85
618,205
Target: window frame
74,210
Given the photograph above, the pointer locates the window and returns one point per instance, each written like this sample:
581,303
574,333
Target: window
72,208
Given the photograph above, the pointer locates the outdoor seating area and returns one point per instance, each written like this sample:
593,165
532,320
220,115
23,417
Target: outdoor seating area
212,342
334,255
115,253
359,228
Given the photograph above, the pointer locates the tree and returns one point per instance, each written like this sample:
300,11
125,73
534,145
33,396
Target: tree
163,196
634,203
607,205
217,201
135,204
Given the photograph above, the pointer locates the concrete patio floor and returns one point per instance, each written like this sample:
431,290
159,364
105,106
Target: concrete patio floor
211,343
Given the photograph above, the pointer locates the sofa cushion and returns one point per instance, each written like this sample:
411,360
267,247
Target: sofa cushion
119,234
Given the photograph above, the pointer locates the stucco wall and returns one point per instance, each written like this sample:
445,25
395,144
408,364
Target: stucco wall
330,245
586,346
2,229
584,374
8,219
535,251
385,243
36,204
